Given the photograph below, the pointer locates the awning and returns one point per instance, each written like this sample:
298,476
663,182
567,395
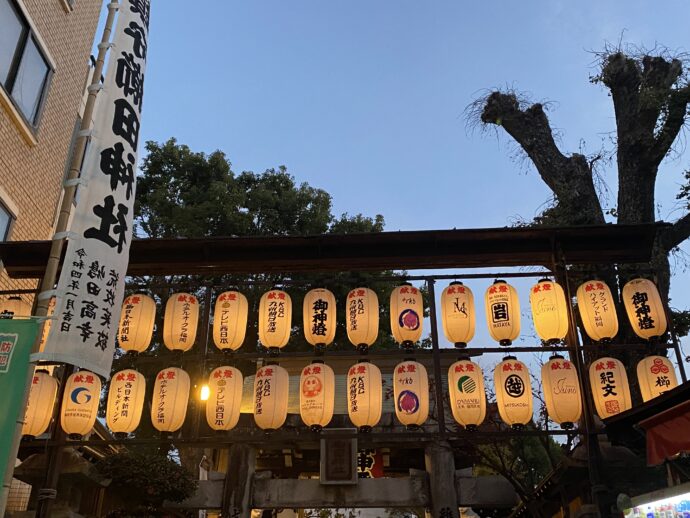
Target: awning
668,433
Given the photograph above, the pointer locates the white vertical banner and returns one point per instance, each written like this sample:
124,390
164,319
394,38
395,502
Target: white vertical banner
92,281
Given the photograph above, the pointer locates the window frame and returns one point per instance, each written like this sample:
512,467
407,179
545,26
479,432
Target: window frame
10,223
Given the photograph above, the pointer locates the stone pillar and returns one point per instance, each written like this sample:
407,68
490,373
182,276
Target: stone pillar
238,480
440,465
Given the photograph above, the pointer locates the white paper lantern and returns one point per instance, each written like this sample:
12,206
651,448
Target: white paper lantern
125,401
136,323
364,395
610,388
656,376
230,320
225,398
275,319
14,307
170,399
319,317
317,395
47,324
181,320
406,314
362,314
411,393
549,311
644,308
458,314
467,394
271,388
502,312
561,389
513,392
597,310
80,403
39,411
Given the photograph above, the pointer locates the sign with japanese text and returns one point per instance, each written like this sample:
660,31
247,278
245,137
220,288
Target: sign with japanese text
610,388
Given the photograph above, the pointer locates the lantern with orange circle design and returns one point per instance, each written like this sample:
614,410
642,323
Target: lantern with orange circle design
317,395
656,376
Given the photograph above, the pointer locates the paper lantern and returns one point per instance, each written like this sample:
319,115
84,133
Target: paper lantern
47,324
136,323
224,398
549,311
644,308
561,389
14,307
230,320
502,312
316,395
513,392
407,314
39,410
411,393
319,316
275,319
656,376
467,394
80,404
362,316
458,314
610,388
170,398
597,310
125,401
181,320
271,388
364,395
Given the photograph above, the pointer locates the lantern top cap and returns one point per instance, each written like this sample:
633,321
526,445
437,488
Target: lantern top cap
14,297
456,283
42,371
499,281
509,357
318,361
406,283
556,357
545,279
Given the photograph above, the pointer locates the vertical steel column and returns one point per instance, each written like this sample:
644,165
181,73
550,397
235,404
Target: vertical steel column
438,380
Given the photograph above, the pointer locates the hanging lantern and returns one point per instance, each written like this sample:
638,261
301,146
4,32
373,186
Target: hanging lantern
656,376
230,320
644,308
561,391
47,324
224,398
271,388
549,311
275,319
170,398
457,314
502,312
411,393
597,310
317,395
407,314
14,307
180,323
362,317
136,323
467,394
513,392
125,401
364,395
319,317
80,404
610,388
39,410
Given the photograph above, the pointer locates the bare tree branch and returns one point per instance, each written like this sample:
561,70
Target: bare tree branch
679,232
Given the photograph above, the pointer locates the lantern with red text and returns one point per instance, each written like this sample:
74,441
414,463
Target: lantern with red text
597,310
271,388
39,410
170,398
319,317
513,392
467,394
47,324
644,308
502,312
316,395
125,401
364,395
180,322
225,398
561,391
136,323
656,376
362,314
610,388
275,319
458,314
549,311
80,404
411,393
14,307
406,314
230,320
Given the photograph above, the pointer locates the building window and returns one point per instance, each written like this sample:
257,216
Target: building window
6,220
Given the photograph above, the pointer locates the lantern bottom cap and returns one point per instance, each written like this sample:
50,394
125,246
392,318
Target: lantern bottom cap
363,348
120,435
316,428
28,437
471,427
413,427
505,343
517,426
74,436
552,341
365,429
567,425
460,345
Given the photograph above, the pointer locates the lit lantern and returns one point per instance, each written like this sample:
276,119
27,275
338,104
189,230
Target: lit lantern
597,310
14,307
467,394
180,322
656,376
39,411
230,320
502,312
125,401
224,398
610,388
407,314
644,308
513,392
271,388
549,311
136,323
80,404
561,389
364,395
362,314
47,324
170,398
411,393
319,316
275,319
457,314
317,395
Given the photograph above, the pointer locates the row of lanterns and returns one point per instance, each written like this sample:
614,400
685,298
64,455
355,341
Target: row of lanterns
171,392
